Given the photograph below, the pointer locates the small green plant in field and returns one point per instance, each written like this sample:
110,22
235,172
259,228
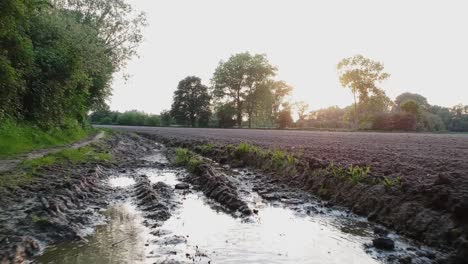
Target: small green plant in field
38,219
290,159
358,173
243,148
323,191
182,156
186,158
336,170
354,173
193,164
206,148
230,148
278,158
389,182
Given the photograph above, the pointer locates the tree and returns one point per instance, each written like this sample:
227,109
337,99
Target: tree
117,23
361,75
166,118
410,107
191,101
280,90
225,114
420,100
237,79
284,118
302,108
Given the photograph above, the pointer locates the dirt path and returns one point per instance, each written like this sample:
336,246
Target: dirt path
10,164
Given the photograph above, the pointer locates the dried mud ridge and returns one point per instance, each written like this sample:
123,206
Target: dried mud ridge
420,212
217,186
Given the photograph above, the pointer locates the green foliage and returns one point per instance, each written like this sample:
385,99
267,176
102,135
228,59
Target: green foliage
191,103
182,156
69,156
17,138
28,168
361,75
418,99
355,174
236,80
128,118
410,107
206,148
57,61
244,148
166,118
389,182
35,218
225,115
186,158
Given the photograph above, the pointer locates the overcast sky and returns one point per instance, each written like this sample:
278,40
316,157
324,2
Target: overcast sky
423,45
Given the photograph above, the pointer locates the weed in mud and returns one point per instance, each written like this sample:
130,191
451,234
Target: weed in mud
278,158
193,165
389,182
355,174
206,148
323,191
38,219
245,148
182,156
186,158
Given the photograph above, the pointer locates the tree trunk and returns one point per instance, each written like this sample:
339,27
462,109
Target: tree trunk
239,111
355,112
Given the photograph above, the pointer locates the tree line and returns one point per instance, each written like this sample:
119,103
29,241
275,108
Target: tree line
244,93
57,57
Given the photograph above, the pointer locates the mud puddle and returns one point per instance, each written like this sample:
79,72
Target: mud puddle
199,231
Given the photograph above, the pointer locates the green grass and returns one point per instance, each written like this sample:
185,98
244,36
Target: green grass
389,182
206,148
28,168
18,138
186,158
355,174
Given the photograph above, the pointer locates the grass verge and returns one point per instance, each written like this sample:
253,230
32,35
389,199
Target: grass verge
17,138
28,168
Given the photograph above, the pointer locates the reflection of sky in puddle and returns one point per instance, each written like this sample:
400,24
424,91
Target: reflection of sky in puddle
121,182
121,240
276,235
157,157
166,176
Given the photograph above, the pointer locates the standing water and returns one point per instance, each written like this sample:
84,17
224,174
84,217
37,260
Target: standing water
200,232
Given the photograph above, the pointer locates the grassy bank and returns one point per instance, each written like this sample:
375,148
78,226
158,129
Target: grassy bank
68,157
18,138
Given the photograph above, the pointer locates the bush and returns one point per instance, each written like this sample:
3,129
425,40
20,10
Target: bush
395,121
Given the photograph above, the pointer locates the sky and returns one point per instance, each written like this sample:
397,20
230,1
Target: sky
423,44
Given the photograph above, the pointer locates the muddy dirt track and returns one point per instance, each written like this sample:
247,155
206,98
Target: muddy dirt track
417,157
430,204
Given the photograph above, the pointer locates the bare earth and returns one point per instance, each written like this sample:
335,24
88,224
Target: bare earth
417,157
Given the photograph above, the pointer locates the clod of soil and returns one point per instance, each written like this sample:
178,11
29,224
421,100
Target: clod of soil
383,243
